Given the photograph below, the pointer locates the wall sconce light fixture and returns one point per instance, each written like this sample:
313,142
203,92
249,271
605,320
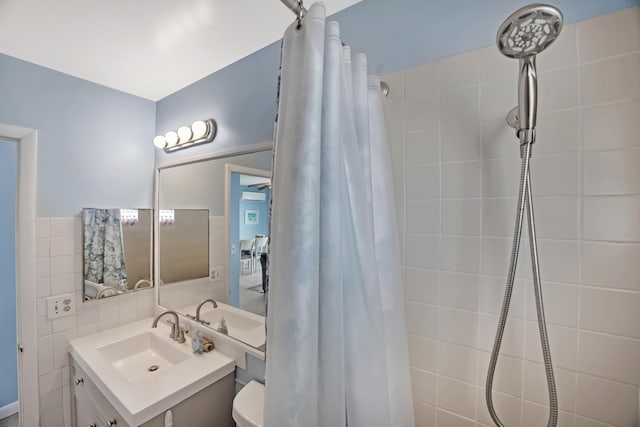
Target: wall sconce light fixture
199,132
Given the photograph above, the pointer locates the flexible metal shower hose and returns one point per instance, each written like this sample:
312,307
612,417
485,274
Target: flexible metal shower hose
525,202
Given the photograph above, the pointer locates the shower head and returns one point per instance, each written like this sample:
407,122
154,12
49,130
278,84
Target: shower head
529,30
523,35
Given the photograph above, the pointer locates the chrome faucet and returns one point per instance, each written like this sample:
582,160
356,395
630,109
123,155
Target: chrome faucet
215,305
177,333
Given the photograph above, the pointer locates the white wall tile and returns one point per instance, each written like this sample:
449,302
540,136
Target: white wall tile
611,173
460,106
461,180
607,401
609,35
612,218
610,311
563,342
458,326
491,296
556,217
498,97
62,246
422,147
535,385
539,415
42,248
458,71
512,342
423,353
461,142
63,283
507,407
448,419
423,386
421,114
64,227
422,251
456,396
500,177
610,357
559,260
423,216
560,303
555,175
499,140
422,285
558,90
425,415
457,362
460,253
461,216
508,376
611,126
496,253
422,319
423,182
459,290
62,264
493,65
620,75
557,132
612,265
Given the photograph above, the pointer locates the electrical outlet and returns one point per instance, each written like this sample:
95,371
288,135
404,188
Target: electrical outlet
216,273
61,306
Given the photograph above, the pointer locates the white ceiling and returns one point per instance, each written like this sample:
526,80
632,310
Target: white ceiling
247,180
149,48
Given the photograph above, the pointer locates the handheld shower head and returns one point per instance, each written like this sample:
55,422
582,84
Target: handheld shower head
529,30
523,35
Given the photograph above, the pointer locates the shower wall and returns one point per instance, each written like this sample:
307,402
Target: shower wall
456,167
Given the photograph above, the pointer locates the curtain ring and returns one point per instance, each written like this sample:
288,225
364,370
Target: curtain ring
300,14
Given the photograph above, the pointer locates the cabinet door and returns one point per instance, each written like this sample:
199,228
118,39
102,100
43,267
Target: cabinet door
86,412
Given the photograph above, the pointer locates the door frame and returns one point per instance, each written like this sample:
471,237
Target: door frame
229,169
28,394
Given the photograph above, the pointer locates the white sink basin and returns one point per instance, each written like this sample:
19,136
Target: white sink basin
118,360
241,325
142,356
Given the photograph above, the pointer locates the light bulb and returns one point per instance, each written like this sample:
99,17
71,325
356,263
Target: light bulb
184,133
159,141
171,137
199,129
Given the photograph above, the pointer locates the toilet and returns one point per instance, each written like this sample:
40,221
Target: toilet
248,406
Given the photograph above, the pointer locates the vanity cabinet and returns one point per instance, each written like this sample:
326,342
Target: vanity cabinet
211,406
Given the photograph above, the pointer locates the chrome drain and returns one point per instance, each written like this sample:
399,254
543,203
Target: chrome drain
153,368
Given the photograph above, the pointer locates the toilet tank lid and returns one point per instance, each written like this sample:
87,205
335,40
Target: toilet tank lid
249,403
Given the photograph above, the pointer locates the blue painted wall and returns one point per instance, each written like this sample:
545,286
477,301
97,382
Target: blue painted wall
8,190
248,231
94,142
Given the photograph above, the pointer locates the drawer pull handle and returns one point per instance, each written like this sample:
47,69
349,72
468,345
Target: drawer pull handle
79,381
111,423
92,425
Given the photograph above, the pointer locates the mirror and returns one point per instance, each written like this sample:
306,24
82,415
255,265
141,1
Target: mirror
213,242
117,246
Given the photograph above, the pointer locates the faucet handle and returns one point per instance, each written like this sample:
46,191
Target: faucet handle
173,333
190,317
180,337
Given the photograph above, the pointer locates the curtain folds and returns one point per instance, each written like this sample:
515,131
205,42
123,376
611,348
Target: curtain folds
336,342
104,248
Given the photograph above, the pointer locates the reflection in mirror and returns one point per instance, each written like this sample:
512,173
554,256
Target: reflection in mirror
116,251
234,192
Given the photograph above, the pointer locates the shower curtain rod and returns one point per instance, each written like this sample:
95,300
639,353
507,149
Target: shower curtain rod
295,6
299,10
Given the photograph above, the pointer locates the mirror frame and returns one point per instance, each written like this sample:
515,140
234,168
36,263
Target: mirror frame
218,154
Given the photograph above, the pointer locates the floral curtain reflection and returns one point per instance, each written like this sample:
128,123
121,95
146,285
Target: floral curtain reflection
103,248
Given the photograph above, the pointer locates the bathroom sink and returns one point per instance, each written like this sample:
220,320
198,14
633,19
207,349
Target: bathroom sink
142,356
142,372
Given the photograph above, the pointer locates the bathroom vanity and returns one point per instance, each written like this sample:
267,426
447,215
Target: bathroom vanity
136,375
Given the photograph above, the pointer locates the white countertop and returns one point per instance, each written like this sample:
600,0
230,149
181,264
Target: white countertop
139,402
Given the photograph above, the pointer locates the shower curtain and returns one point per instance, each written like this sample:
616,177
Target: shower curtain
336,334
104,248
